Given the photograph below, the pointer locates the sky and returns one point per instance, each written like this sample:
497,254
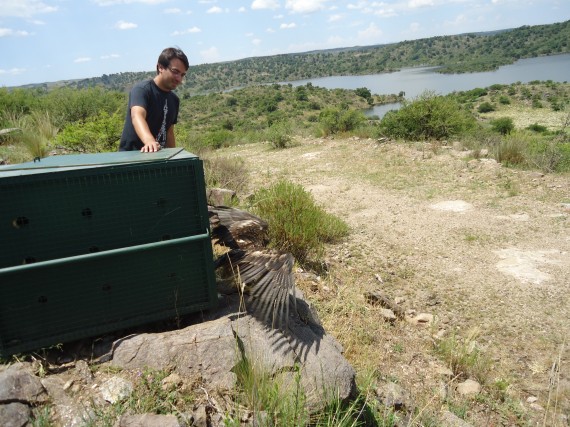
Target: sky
51,40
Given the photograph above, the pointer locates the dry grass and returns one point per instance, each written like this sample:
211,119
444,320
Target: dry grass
441,263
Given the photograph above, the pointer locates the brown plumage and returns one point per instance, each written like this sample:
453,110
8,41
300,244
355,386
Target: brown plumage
266,274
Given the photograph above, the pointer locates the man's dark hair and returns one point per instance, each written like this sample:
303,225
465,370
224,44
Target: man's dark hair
168,55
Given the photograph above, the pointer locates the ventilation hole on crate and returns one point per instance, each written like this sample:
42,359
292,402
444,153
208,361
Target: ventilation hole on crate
165,237
87,213
42,299
20,222
106,287
161,202
29,260
93,249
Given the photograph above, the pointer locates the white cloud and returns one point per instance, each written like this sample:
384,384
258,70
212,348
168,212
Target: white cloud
192,30
287,26
265,4
173,10
371,34
305,6
111,56
335,18
82,59
215,9
24,8
270,30
123,25
113,2
13,71
414,4
256,42
210,55
8,32
241,9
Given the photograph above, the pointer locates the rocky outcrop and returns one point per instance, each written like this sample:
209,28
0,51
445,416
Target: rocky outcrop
206,353
209,352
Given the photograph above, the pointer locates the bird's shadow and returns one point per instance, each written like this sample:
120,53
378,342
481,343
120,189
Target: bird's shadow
301,333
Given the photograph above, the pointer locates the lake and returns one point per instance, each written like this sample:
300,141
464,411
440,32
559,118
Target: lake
414,81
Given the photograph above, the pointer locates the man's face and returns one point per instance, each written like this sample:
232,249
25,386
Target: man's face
172,76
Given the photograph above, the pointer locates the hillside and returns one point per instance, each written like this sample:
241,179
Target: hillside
455,54
472,252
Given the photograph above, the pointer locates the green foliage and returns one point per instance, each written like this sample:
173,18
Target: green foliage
535,127
503,125
486,107
365,93
511,151
38,131
464,357
279,135
335,120
98,133
505,100
429,116
296,223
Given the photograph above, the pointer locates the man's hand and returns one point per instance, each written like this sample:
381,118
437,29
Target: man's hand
151,147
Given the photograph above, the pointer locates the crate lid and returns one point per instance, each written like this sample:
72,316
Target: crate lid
75,161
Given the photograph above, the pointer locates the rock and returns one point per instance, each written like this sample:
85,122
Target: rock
14,414
536,407
221,196
17,383
468,387
200,417
449,419
388,315
392,395
116,389
421,319
208,351
83,371
148,420
171,381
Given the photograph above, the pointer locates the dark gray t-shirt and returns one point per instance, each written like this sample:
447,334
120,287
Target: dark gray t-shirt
161,113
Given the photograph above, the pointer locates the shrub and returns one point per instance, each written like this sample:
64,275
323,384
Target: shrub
296,223
427,117
511,151
225,172
98,133
535,127
334,120
503,125
279,134
486,107
505,100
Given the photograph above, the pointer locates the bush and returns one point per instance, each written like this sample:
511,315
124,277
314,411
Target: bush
486,107
279,134
225,172
535,127
99,133
503,125
427,117
505,100
335,120
296,223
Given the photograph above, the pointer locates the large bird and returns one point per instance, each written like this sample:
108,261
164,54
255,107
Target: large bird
265,274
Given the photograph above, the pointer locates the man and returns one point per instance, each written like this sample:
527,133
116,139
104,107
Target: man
153,107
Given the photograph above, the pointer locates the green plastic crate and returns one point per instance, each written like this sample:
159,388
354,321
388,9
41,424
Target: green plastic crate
98,242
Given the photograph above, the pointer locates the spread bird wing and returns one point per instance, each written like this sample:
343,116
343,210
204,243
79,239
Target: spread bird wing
267,275
235,228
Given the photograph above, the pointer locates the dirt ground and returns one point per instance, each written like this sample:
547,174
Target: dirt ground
483,248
